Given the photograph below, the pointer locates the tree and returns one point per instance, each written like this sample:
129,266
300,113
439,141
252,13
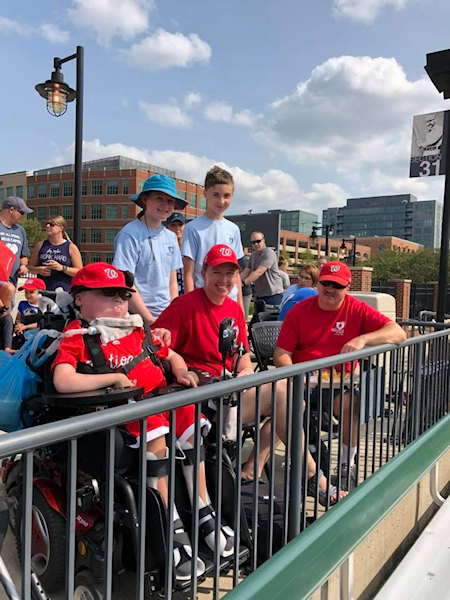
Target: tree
420,267
34,232
306,258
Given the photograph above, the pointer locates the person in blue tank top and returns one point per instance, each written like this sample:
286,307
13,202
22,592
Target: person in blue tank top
56,259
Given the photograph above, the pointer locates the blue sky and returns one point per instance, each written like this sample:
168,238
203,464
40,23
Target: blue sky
307,103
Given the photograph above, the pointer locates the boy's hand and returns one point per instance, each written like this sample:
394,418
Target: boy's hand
122,381
19,328
187,378
163,334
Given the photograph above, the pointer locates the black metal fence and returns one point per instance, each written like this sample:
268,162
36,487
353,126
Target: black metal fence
81,473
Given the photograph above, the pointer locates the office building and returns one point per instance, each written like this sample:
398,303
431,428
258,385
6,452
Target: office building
299,221
399,215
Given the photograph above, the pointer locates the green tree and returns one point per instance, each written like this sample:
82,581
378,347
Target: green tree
420,267
306,258
34,232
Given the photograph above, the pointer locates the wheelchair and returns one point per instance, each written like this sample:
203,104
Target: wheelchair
49,513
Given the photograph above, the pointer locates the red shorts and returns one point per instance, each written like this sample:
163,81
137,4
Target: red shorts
158,425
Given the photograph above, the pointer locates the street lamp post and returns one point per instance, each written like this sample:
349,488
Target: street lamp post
438,69
344,247
328,231
58,94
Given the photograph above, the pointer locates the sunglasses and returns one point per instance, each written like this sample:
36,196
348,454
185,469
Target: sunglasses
333,284
51,224
112,292
257,241
22,212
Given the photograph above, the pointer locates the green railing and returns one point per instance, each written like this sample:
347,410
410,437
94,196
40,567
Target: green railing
307,561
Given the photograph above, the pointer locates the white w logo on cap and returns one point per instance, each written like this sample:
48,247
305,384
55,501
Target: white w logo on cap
111,273
225,251
335,268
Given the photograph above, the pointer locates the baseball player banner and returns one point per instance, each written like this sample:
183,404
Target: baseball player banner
429,144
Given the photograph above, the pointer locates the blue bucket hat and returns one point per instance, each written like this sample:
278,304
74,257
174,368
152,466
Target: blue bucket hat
160,183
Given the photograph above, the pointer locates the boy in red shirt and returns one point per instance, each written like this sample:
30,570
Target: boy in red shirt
101,296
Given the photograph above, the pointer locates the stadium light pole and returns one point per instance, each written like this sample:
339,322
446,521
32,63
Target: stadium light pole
438,69
57,94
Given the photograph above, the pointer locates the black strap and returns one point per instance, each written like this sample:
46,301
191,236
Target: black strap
158,467
94,350
149,350
189,455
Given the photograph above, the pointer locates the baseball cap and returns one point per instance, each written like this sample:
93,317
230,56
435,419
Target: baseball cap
160,183
176,216
335,271
17,203
33,283
220,254
100,275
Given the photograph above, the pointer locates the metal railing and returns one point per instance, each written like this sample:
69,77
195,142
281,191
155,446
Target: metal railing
399,393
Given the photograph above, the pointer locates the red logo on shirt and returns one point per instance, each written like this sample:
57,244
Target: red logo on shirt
338,328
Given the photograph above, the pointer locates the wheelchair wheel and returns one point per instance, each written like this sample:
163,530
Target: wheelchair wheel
16,497
86,588
48,542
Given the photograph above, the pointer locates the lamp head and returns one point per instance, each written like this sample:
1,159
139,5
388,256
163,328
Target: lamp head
56,93
438,69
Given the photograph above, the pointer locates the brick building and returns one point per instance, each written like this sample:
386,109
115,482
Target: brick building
379,243
107,185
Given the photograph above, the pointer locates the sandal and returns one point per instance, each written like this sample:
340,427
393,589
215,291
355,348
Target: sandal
324,499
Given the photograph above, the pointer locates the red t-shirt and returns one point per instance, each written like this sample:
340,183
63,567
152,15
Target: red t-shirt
193,321
117,353
311,333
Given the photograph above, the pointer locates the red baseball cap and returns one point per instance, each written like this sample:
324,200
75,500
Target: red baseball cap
33,283
100,275
335,271
220,254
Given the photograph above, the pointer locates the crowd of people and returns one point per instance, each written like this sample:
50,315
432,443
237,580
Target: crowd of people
188,277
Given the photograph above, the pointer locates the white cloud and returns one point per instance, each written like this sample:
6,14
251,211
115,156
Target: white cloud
365,11
222,112
48,31
192,99
53,34
164,49
165,114
352,114
108,18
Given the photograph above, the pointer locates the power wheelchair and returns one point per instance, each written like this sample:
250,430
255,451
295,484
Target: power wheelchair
50,476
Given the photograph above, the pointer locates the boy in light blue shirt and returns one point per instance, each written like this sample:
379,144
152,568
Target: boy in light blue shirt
149,250
210,229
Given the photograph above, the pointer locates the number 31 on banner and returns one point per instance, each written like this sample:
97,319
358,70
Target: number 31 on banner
427,168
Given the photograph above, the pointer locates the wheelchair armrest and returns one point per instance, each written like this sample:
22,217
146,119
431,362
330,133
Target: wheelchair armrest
100,397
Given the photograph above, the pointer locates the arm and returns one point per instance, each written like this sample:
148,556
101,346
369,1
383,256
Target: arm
67,380
390,333
240,299
33,266
245,366
173,285
75,259
23,267
282,358
188,268
254,275
180,370
245,273
137,306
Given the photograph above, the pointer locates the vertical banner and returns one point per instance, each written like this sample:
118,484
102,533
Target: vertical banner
428,145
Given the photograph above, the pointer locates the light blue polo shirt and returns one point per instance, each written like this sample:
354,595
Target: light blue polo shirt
151,255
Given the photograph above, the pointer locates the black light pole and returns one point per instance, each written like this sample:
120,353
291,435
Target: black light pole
344,247
328,230
438,69
57,94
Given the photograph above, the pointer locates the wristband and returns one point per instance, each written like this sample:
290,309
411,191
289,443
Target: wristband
64,268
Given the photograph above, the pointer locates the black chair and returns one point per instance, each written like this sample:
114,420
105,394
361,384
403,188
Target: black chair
264,337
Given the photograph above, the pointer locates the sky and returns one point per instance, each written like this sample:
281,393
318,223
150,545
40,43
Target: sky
306,103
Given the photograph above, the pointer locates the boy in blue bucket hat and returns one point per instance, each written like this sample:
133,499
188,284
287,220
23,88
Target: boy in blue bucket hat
150,251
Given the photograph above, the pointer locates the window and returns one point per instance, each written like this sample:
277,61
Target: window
124,211
110,234
140,186
124,186
83,257
202,203
67,211
182,194
54,210
109,257
112,187
95,235
111,211
2,194
83,211
96,211
69,232
192,200
30,191
41,213
54,190
9,192
96,187
82,235
19,191
67,188
95,257
42,190
83,188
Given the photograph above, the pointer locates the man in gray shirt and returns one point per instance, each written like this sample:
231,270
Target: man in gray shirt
262,271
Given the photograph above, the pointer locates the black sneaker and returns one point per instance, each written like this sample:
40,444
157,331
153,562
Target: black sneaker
182,554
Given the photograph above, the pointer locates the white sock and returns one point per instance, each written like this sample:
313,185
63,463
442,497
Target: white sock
345,455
